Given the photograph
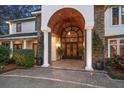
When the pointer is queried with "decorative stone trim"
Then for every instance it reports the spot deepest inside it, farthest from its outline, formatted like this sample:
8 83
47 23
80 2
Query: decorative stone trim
45 29
89 27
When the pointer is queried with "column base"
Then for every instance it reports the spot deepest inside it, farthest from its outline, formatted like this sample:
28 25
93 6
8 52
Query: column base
89 68
45 65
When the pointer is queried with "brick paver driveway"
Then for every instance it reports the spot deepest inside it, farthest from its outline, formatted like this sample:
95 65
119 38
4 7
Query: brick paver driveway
48 77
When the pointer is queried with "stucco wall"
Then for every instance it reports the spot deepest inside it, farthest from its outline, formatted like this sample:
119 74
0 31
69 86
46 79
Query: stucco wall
86 10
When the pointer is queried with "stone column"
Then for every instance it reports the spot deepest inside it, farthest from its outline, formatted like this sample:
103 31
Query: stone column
89 49
24 44
46 31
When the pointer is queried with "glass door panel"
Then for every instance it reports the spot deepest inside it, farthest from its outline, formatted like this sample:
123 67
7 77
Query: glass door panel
68 49
74 49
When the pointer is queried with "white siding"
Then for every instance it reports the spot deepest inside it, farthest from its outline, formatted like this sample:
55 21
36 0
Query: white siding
26 27
111 30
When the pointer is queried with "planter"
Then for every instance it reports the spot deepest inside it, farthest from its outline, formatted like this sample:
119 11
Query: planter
39 61
100 65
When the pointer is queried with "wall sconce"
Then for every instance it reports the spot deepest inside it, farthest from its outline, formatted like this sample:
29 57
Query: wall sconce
58 45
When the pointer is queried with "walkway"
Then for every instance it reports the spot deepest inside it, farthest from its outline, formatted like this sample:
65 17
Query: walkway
69 64
58 78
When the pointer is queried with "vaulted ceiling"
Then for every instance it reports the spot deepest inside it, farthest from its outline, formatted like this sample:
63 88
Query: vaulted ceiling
66 17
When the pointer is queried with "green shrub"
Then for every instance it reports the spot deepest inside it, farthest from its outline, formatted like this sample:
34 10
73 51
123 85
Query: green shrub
24 57
113 62
4 55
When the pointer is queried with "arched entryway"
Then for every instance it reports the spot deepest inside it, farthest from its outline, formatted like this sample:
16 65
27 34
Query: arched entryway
67 32
55 20
72 42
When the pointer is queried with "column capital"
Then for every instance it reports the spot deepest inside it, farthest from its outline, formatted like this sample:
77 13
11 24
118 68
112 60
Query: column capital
89 27
45 29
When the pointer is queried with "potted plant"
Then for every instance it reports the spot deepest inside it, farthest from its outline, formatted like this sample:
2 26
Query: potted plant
81 52
60 52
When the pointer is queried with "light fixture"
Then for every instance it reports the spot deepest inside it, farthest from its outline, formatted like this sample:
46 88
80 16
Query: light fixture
69 33
58 45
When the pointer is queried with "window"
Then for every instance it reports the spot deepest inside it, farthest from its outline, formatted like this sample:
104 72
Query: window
18 27
122 14
113 41
115 16
113 51
7 44
122 41
116 48
17 46
122 50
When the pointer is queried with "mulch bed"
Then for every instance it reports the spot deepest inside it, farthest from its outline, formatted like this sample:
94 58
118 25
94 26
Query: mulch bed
116 73
8 68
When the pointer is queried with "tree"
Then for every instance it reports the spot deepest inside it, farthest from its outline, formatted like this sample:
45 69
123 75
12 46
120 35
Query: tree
9 12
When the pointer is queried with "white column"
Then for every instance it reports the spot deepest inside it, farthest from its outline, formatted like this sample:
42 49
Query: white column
0 43
46 30
108 48
89 50
118 47
11 47
24 44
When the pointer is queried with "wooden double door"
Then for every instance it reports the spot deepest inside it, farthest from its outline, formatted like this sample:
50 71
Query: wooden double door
71 42
71 50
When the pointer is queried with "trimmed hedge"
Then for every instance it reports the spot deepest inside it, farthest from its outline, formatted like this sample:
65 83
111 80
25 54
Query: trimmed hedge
4 55
24 57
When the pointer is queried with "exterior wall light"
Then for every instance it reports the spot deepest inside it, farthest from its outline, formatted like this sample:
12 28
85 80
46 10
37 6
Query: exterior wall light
58 45
69 33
